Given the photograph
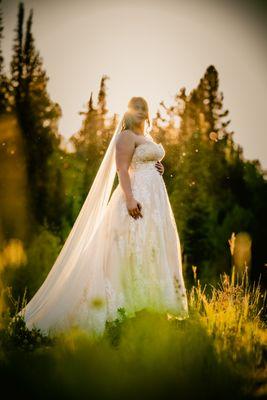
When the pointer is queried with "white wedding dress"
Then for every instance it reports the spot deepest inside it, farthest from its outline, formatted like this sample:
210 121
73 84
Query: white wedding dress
130 263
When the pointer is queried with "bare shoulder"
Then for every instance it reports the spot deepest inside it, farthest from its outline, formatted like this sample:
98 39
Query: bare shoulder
125 139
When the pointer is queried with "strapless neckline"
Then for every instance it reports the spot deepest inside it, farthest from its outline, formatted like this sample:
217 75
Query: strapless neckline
148 141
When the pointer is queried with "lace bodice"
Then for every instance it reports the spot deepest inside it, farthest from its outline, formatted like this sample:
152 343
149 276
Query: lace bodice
146 154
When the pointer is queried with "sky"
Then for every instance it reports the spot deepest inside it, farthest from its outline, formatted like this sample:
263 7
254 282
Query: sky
152 48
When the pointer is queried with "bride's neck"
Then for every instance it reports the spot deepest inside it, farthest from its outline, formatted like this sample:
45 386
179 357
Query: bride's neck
138 130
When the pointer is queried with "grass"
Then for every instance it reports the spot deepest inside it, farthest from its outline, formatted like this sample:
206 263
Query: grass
218 352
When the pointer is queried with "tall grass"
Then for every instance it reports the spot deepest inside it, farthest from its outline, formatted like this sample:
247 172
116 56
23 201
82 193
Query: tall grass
218 352
233 314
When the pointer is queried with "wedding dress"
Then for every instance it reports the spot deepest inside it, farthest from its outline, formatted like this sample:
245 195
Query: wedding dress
131 263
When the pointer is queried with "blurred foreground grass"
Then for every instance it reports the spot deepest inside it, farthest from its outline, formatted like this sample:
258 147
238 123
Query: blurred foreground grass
218 352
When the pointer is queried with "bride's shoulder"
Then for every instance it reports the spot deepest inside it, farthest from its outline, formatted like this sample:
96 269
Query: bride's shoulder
125 137
126 132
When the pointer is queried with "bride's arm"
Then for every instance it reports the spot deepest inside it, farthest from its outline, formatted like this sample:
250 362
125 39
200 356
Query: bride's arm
124 151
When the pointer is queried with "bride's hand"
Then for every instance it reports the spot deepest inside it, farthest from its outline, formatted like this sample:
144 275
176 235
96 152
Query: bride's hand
159 167
134 208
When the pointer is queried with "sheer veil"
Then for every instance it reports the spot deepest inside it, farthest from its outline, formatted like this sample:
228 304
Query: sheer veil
83 230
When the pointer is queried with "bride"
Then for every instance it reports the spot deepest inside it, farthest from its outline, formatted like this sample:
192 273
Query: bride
123 250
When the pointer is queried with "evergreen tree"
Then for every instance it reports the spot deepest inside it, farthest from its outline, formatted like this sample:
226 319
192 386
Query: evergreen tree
207 179
197 168
103 125
87 134
13 178
4 82
87 145
92 139
102 103
16 65
203 174
37 116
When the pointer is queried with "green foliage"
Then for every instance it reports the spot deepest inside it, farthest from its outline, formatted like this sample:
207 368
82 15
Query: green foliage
213 190
218 352
5 101
14 334
92 139
41 254
234 314
18 336
37 116
113 328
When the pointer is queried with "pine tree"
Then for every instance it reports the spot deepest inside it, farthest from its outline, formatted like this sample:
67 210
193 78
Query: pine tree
16 65
102 102
209 193
13 177
4 82
103 125
195 164
87 134
92 139
36 113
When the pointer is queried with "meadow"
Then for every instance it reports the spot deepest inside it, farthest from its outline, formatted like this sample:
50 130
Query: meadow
220 351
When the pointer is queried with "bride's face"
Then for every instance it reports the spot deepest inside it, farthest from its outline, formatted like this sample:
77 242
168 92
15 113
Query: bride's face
139 113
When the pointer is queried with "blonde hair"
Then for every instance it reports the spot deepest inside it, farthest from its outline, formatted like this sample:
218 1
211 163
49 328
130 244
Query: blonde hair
128 119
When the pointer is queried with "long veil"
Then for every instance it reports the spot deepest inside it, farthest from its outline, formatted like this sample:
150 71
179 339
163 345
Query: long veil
82 232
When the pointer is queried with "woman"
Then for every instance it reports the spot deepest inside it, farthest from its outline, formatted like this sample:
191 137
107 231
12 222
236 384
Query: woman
121 252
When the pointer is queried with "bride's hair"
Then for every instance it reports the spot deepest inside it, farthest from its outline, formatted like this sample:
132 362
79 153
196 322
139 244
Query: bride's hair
128 120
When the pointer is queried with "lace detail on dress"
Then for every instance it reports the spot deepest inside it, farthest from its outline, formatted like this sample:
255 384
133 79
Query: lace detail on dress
114 300
149 151
142 267
134 264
